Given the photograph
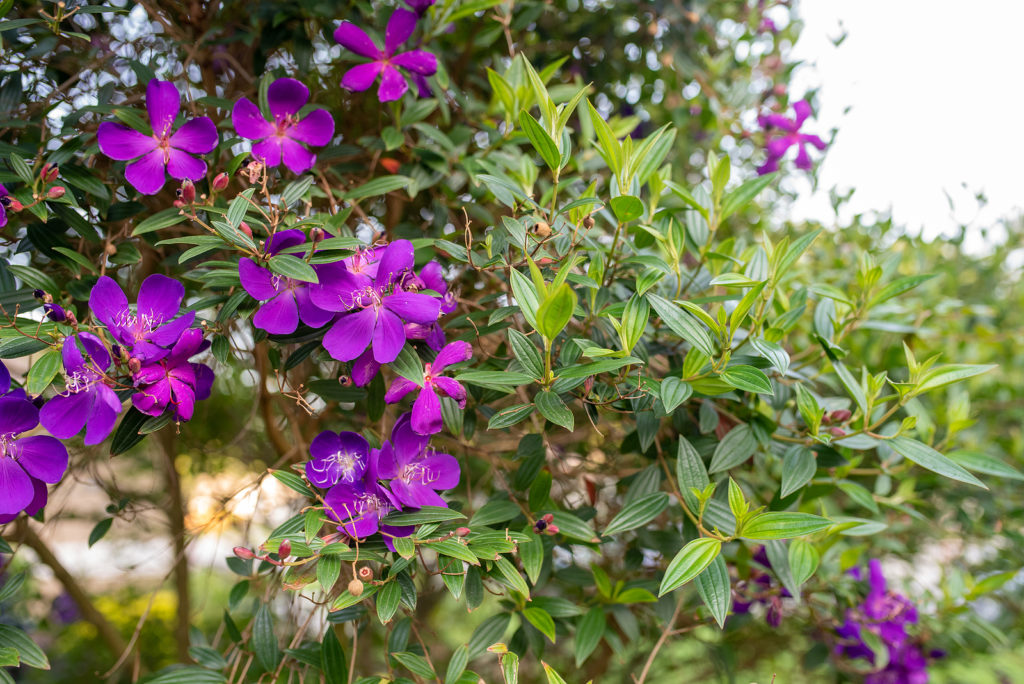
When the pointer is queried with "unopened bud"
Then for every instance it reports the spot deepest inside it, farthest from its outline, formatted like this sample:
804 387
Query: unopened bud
51 175
188 191
552 530
56 192
245 228
588 384
15 205
70 318
355 587
110 249
542 229
840 416
220 181
548 518
365 573
391 165
55 313
316 235
178 203
462 532
244 553
39 294
837 431
285 549
588 222
134 365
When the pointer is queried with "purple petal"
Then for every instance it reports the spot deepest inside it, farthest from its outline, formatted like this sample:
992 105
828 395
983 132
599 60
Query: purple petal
335 291
147 174
249 122
432 275
426 413
285 96
355 39
163 102
392 84
123 143
408 443
160 298
399 388
38 497
17 416
802 109
3 213
5 379
390 532
803 159
417 61
311 314
316 129
269 151
279 316
813 140
361 76
416 495
350 335
197 136
43 457
453 388
65 416
165 335
383 464
443 469
183 165
104 415
364 369
456 352
296 157
283 239
400 26
388 337
413 306
153 399
258 282
397 257
183 398
107 300
16 490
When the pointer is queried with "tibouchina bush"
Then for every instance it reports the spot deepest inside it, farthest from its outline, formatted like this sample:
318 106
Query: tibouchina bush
511 326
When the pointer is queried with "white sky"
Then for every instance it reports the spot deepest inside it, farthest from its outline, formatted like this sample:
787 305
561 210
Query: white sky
935 100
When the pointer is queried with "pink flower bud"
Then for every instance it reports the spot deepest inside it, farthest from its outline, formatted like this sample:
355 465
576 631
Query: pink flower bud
837 431
245 228
51 175
462 532
243 553
840 416
220 181
285 549
552 530
548 518
316 235
56 192
188 191
134 365
15 205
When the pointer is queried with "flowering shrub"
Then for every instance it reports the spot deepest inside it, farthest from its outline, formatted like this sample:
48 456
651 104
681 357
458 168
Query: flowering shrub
519 342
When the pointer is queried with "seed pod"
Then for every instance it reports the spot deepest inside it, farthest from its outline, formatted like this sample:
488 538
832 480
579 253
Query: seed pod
355 587
542 229
588 222
365 573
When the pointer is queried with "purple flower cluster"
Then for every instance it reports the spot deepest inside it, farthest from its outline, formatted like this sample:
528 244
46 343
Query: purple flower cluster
365 484
887 615
761 589
782 133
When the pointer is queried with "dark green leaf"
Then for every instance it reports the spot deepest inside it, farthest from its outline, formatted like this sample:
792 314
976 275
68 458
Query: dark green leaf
691 560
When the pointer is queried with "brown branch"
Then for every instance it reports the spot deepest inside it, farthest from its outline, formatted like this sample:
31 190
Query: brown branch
176 519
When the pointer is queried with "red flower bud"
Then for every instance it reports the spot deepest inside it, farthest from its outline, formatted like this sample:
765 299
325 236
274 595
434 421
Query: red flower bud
837 432
178 203
245 228
548 518
316 235
390 165
70 319
552 530
134 365
244 553
220 181
285 549
56 192
15 205
840 416
188 191
462 532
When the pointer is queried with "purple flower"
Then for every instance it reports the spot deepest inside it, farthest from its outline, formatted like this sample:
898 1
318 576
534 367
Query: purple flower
87 402
286 301
374 312
165 148
5 385
385 62
26 463
776 145
173 381
337 457
365 368
152 326
5 201
285 136
431 277
426 411
419 6
416 471
360 506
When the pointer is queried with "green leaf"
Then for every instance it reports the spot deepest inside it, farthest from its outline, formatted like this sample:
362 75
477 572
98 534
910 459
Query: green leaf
782 525
127 434
293 482
511 576
540 140
496 511
682 324
187 675
793 253
12 585
23 170
28 652
627 208
378 186
43 371
852 386
555 312
735 448
507 417
982 463
387 601
674 392
457 665
238 207
715 590
691 473
526 296
293 267
554 409
926 457
947 375
803 560
328 568
264 641
691 561
589 632
747 378
526 353
638 513
488 632
510 668
294 191
416 664
408 365
426 514
542 620
502 380
531 554
332 659
588 369
740 197
553 677
859 494
898 287
99 530
610 149
798 467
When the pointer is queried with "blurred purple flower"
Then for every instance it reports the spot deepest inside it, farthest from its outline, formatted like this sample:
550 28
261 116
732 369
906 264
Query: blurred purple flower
285 301
419 6
64 608
283 139
782 133
385 62
173 381
165 148
152 327
417 473
87 401
26 463
426 411
337 457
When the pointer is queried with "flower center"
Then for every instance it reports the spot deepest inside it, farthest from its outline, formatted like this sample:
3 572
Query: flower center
347 462
417 473
371 503
80 380
8 445
284 123
138 323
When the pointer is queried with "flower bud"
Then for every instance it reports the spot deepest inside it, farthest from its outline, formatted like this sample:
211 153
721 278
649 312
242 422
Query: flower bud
51 175
39 294
540 526
45 170
552 530
188 191
365 573
462 532
548 518
390 165
70 318
588 384
55 313
837 431
243 553
245 228
316 235
344 381
134 365
284 550
840 416
15 205
220 181
178 203
56 192
355 587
